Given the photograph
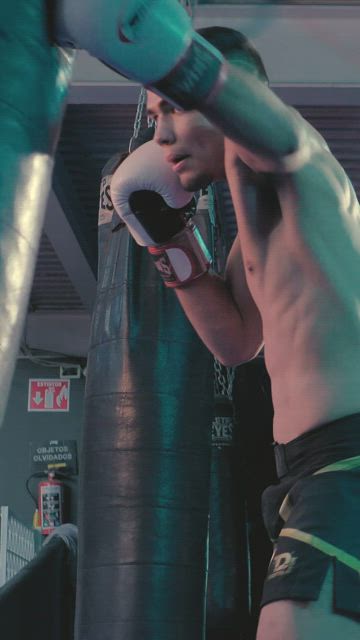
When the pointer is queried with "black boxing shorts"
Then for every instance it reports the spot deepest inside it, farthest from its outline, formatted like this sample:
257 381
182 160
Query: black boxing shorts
313 516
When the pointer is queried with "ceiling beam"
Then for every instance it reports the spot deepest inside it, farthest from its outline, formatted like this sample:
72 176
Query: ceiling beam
63 333
292 93
69 252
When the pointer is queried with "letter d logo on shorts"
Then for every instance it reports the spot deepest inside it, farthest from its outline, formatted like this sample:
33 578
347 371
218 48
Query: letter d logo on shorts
281 564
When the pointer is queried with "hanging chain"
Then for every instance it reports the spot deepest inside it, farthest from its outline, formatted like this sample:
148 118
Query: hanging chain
223 376
223 379
138 116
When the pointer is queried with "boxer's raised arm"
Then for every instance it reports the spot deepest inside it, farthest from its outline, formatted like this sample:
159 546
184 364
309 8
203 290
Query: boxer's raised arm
188 71
270 136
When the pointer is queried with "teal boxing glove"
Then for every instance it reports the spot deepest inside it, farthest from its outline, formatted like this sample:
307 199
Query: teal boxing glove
150 41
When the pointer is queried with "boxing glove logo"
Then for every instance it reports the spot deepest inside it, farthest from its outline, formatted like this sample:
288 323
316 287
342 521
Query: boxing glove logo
163 265
129 23
106 206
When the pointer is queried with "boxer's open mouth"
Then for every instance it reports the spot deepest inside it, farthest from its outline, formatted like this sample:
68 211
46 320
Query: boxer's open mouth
178 162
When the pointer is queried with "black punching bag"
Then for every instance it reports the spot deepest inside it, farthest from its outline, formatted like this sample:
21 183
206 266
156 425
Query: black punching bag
145 455
228 606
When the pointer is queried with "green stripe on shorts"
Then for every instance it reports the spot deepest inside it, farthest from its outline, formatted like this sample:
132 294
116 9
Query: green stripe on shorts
322 545
347 464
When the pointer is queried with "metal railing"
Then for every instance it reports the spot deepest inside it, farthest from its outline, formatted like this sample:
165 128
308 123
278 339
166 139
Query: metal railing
18 544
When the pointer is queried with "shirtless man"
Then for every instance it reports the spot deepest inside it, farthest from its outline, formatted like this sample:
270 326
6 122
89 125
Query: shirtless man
292 283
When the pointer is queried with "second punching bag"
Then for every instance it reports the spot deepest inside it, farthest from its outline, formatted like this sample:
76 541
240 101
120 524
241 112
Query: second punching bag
242 466
145 458
228 597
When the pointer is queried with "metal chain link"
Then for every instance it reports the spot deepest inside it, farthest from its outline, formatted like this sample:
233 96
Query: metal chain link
138 116
223 376
223 379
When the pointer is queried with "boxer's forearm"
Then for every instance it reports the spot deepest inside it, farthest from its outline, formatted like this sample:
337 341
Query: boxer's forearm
269 134
211 309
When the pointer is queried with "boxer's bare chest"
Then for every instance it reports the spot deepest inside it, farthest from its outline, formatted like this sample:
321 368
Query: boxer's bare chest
300 242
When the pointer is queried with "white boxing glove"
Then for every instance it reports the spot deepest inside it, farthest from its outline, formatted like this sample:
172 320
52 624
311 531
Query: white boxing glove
150 41
149 198
146 170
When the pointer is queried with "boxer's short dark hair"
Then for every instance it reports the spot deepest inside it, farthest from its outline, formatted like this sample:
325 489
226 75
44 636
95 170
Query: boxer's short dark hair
234 44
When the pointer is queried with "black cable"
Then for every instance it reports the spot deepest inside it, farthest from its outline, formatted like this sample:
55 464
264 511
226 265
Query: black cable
38 474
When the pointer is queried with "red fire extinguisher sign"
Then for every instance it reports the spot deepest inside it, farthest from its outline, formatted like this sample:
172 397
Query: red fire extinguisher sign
49 395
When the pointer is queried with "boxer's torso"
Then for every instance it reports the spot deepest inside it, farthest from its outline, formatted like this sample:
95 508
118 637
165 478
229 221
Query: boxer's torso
300 242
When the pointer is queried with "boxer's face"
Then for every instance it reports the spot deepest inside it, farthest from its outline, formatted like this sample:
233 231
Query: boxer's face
193 147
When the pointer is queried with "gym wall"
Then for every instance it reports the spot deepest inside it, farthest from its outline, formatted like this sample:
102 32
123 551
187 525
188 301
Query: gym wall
21 427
